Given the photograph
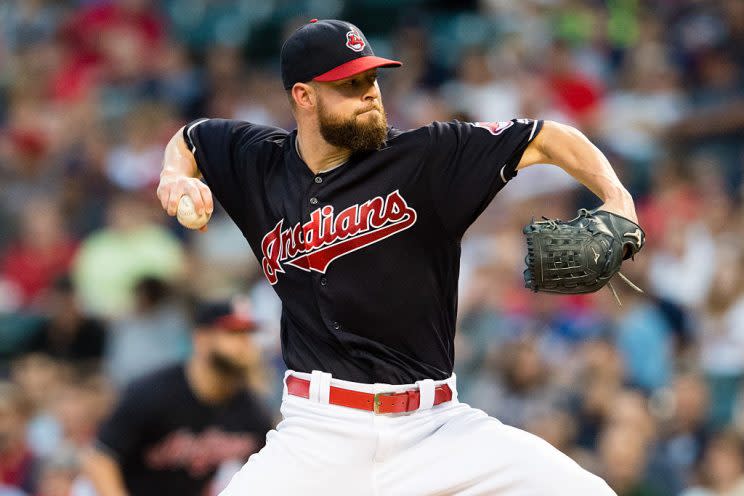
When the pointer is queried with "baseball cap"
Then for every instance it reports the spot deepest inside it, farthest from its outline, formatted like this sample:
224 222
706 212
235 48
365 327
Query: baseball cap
327 50
223 315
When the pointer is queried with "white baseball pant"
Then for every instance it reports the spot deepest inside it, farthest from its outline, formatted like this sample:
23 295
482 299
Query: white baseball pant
449 449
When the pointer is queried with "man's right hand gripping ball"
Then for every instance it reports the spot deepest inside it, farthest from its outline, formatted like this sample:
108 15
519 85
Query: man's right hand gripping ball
580 255
188 198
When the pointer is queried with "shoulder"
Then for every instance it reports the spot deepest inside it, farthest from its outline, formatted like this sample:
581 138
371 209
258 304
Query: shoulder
438 129
242 130
215 142
406 136
423 143
260 133
395 133
433 136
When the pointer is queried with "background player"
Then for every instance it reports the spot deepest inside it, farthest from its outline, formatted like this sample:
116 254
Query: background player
174 428
357 227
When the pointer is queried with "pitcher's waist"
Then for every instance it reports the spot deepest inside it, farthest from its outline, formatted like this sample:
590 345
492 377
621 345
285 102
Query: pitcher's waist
377 398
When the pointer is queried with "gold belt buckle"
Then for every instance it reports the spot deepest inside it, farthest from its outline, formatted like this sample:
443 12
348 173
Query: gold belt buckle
377 402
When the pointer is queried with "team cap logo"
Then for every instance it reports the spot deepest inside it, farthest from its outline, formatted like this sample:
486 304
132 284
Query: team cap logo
355 41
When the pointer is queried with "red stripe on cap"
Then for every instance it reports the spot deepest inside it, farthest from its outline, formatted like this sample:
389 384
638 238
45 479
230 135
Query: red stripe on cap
313 20
356 66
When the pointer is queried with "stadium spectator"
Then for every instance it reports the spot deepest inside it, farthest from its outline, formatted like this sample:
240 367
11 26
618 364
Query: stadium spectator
111 260
57 474
622 452
515 385
67 333
18 466
173 429
44 251
721 468
721 335
153 335
685 433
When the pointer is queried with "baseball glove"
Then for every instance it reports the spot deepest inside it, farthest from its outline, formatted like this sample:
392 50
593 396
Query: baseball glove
580 255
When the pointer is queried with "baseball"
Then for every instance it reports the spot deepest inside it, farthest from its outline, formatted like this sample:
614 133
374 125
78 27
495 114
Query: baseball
187 215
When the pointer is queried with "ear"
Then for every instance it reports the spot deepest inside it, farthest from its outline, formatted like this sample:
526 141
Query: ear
304 96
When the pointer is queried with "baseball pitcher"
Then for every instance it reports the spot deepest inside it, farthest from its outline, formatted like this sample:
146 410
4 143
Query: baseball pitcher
357 226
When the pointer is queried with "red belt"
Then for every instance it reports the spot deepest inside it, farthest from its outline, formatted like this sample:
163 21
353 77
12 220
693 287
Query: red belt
405 401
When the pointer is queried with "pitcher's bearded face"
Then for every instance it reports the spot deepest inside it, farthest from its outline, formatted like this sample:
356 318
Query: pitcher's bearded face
362 131
351 114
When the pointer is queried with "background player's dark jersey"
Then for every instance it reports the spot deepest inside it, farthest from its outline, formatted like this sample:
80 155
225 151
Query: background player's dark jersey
167 441
365 257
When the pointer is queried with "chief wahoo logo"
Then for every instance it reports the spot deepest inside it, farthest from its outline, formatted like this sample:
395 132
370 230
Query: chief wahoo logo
355 41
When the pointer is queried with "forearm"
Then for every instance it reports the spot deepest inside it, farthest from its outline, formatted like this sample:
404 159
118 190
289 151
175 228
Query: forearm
104 473
179 177
178 161
570 150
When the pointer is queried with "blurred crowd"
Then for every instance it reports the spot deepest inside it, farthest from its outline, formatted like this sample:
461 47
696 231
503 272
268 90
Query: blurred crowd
96 281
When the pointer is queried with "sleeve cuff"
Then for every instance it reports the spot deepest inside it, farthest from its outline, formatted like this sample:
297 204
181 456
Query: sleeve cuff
188 134
509 170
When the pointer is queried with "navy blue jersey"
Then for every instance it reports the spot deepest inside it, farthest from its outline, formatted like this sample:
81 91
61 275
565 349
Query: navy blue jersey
168 441
365 257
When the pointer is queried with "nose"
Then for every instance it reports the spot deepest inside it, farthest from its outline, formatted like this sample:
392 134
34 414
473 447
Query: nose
372 94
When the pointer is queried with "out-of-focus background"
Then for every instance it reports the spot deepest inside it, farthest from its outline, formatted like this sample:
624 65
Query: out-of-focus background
95 279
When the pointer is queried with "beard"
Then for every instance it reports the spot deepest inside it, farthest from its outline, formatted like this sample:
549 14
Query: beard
226 366
351 134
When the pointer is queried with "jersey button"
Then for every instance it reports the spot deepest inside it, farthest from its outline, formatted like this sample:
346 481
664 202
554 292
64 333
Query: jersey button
318 179
336 326
314 201
324 281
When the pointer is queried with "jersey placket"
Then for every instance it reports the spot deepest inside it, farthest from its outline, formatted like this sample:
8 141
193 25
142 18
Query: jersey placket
312 202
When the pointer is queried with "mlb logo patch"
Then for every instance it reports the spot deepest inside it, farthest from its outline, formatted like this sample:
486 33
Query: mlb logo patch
495 128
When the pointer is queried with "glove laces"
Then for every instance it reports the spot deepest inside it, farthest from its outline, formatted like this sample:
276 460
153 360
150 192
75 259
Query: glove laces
628 281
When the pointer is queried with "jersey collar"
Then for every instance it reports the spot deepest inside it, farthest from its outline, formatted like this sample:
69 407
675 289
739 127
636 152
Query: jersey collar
296 155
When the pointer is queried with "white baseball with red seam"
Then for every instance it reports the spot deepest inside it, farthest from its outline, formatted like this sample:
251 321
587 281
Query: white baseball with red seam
187 215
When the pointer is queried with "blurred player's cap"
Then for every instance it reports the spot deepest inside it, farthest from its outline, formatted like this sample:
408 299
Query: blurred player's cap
327 50
223 316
